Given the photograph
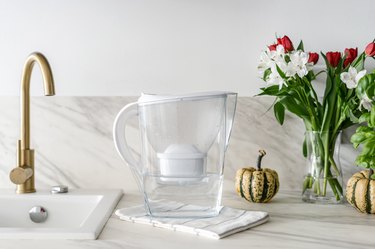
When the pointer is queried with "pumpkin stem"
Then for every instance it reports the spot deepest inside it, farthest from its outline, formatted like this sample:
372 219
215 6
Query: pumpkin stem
371 172
262 153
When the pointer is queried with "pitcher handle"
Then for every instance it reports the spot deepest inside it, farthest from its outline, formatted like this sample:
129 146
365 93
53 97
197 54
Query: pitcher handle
122 147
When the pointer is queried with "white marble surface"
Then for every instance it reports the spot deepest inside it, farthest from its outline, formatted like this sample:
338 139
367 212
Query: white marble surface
292 224
72 137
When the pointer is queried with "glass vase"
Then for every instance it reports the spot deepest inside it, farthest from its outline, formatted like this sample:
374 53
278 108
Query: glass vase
323 181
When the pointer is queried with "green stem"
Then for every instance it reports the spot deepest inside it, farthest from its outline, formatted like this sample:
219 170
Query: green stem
307 183
314 93
333 164
317 187
333 187
371 172
262 153
338 186
309 106
326 163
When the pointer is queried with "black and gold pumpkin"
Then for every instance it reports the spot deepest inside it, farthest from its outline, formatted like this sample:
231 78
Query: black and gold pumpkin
360 191
257 185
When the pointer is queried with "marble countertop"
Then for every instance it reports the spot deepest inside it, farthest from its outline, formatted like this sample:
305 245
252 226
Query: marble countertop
292 224
94 163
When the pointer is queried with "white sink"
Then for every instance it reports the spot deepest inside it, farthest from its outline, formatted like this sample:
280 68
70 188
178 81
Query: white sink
79 214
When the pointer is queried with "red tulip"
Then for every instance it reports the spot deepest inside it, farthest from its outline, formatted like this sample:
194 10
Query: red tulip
272 47
370 49
333 58
351 54
313 57
286 43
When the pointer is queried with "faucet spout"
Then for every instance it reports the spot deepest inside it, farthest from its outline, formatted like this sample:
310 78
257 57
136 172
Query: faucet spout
23 174
49 90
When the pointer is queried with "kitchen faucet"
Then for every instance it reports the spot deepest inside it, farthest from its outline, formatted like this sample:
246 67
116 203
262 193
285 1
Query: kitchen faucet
23 174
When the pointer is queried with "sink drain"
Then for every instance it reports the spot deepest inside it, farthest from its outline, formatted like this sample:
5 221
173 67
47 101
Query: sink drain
38 214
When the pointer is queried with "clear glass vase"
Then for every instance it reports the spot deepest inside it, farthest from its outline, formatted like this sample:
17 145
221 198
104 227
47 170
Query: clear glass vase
323 182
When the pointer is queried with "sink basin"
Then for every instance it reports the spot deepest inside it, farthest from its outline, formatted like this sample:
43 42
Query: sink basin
79 214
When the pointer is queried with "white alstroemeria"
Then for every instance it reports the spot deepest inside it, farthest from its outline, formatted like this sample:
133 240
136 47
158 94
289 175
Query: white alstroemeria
298 62
352 77
366 103
268 59
277 55
275 79
288 68
265 62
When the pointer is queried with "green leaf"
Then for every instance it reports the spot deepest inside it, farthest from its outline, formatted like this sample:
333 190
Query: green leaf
287 58
328 115
372 117
291 105
364 83
282 74
279 111
364 117
361 162
300 46
266 73
271 90
366 161
373 176
364 129
359 62
304 148
352 117
326 61
340 66
369 147
357 138
328 88
370 91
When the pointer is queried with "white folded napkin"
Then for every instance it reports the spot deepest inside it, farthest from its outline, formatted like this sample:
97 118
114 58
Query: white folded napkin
228 222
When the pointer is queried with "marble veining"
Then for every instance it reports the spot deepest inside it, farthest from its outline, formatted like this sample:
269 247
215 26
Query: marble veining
292 224
72 137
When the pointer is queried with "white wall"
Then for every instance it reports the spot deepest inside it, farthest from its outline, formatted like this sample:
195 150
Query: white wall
123 47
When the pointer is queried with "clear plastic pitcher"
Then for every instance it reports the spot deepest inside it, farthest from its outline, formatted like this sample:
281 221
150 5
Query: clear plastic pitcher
184 139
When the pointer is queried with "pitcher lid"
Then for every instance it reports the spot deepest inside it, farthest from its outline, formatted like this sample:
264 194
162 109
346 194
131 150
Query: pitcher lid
147 98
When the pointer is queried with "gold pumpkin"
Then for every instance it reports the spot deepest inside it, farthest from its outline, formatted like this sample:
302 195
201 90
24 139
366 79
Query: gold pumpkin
257 185
360 192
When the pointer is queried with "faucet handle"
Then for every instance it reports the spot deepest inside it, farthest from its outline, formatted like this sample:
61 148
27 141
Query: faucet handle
20 175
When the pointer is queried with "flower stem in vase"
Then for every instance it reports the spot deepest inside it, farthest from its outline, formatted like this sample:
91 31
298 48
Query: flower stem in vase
289 72
322 182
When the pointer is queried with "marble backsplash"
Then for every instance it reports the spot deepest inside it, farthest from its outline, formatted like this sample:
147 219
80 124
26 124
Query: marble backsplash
72 137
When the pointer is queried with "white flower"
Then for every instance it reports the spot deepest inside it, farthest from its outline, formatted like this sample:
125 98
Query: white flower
366 102
352 77
268 59
278 54
288 68
274 78
265 62
298 63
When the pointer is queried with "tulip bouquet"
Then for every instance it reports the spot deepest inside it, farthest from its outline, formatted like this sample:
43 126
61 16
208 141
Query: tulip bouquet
289 74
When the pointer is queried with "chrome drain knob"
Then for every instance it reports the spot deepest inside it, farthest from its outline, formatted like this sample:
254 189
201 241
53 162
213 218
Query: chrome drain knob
60 189
38 214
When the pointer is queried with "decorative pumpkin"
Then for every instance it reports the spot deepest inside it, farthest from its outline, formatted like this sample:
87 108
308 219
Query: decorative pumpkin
360 191
257 185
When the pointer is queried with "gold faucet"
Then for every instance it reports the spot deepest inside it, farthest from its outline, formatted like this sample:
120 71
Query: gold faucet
23 174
